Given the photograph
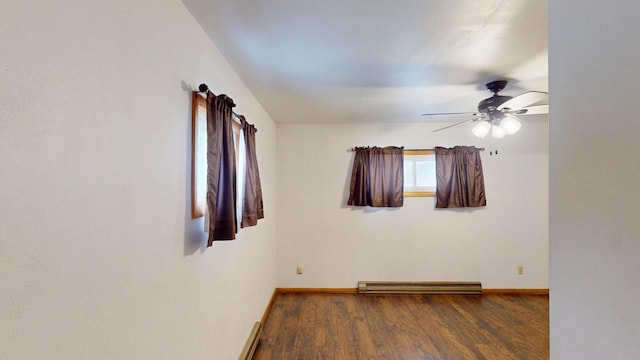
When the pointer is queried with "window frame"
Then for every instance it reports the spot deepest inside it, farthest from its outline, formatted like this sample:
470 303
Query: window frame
415 152
199 151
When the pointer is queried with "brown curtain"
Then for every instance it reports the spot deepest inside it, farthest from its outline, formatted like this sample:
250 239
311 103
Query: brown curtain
252 208
221 173
459 177
377 178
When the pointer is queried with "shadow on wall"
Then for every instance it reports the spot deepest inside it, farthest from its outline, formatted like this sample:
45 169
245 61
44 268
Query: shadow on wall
461 210
347 183
194 236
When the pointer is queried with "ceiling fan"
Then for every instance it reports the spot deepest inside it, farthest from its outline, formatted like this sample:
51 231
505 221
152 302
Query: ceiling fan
498 114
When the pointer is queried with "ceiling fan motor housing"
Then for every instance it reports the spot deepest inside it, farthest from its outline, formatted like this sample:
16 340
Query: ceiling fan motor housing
489 105
496 86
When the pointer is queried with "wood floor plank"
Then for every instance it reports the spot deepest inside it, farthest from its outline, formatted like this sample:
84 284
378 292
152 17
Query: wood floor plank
377 327
270 331
407 337
529 334
363 341
442 326
436 334
324 321
345 330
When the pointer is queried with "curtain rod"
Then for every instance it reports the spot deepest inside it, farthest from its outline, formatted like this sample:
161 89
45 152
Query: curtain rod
204 89
481 149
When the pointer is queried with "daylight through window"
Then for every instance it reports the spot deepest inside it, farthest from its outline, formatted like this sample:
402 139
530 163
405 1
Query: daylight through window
419 173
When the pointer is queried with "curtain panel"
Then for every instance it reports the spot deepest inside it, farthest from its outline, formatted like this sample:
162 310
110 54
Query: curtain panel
252 208
459 177
377 177
221 172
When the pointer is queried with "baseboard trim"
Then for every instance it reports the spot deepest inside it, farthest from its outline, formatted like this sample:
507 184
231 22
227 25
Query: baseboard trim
317 290
515 291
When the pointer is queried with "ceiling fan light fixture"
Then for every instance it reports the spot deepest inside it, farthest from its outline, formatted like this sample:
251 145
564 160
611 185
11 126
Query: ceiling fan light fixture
510 124
481 129
498 131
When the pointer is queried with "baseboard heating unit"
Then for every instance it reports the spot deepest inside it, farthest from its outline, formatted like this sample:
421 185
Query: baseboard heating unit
420 287
252 343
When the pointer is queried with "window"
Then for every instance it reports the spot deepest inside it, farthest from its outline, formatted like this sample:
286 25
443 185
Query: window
199 157
419 173
239 146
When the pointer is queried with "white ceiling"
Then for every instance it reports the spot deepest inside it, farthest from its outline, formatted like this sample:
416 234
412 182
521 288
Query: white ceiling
352 61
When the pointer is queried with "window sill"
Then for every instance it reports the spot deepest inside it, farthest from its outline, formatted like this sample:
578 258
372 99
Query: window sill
419 194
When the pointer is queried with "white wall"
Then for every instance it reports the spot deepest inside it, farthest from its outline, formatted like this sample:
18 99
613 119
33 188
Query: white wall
98 257
338 245
595 172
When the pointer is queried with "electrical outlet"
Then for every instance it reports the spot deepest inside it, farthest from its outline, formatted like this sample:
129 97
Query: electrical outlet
299 270
520 270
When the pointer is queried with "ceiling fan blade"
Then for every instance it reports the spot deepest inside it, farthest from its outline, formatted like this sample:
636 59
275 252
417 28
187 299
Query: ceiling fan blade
534 110
524 100
456 124
452 113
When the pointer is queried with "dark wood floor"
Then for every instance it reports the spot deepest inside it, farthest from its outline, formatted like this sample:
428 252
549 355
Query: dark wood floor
350 326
